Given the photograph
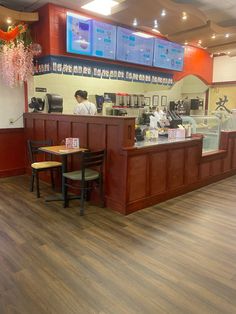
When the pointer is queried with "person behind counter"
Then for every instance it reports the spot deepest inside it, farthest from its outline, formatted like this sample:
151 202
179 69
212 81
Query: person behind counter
84 107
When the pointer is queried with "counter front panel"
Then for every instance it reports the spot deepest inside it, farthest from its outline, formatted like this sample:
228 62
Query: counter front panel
145 174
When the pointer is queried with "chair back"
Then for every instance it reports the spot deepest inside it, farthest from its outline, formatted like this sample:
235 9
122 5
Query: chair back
33 148
92 159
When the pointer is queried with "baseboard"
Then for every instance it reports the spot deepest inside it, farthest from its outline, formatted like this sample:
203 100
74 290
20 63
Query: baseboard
12 172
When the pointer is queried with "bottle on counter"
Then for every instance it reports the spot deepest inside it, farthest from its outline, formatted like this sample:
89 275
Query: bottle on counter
188 130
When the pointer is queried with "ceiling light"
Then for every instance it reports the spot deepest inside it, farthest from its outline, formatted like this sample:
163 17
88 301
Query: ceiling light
226 35
9 20
144 35
213 36
100 6
229 52
156 30
155 24
163 13
199 42
184 16
186 43
135 22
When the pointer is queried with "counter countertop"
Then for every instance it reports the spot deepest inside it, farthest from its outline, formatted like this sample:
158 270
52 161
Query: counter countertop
163 140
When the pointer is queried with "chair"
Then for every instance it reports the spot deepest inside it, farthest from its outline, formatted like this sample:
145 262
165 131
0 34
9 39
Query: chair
39 166
87 174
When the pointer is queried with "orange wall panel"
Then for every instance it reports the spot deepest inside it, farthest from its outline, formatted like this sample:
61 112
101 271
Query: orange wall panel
196 62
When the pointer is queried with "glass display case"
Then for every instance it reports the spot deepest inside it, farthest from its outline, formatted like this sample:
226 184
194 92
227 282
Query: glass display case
210 128
228 120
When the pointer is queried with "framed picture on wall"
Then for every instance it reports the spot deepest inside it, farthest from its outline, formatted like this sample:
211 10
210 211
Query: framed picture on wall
163 101
147 101
155 100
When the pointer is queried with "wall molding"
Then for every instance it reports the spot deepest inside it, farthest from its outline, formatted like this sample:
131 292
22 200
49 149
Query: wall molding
223 83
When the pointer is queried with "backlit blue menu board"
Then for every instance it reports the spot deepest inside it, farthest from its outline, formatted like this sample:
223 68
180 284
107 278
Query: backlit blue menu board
79 34
104 40
133 48
168 55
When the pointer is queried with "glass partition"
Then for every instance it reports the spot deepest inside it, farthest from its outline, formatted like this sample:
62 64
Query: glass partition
209 127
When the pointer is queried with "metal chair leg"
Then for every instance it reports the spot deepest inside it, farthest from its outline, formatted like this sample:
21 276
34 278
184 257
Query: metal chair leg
101 191
82 197
65 193
52 179
37 183
32 182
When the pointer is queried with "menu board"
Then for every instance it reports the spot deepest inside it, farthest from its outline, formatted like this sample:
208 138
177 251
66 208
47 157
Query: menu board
79 34
93 38
168 55
104 40
133 48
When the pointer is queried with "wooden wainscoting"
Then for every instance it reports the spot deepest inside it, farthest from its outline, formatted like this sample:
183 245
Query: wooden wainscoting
13 153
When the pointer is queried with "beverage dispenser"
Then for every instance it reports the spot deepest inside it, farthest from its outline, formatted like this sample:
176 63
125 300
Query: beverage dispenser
134 101
126 100
118 99
141 101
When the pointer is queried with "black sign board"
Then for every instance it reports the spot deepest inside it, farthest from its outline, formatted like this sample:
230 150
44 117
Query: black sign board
41 89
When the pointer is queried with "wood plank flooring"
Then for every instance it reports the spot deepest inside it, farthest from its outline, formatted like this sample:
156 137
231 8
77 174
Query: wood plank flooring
175 257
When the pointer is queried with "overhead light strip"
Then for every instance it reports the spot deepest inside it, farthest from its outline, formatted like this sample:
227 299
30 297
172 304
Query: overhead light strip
102 7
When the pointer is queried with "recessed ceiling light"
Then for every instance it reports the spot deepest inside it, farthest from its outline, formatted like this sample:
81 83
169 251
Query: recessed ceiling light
144 35
213 36
163 13
155 24
9 20
185 43
135 22
100 6
226 35
184 16
229 52
199 42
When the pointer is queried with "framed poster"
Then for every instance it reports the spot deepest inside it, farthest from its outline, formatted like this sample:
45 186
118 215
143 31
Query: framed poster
155 101
163 101
147 101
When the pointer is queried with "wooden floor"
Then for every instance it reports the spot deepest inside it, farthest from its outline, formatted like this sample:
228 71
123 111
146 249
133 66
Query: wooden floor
175 257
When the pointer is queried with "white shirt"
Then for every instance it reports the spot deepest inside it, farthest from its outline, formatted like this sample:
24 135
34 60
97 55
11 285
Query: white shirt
85 108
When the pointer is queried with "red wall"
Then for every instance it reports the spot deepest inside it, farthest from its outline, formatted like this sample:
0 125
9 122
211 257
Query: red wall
13 155
50 32
196 62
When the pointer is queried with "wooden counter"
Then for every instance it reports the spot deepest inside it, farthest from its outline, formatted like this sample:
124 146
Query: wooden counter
137 177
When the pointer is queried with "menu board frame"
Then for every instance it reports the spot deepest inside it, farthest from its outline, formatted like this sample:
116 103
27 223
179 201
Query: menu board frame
84 36
169 58
89 51
137 37
109 38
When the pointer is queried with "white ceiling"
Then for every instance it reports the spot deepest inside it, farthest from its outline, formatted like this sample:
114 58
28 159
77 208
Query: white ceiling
205 18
